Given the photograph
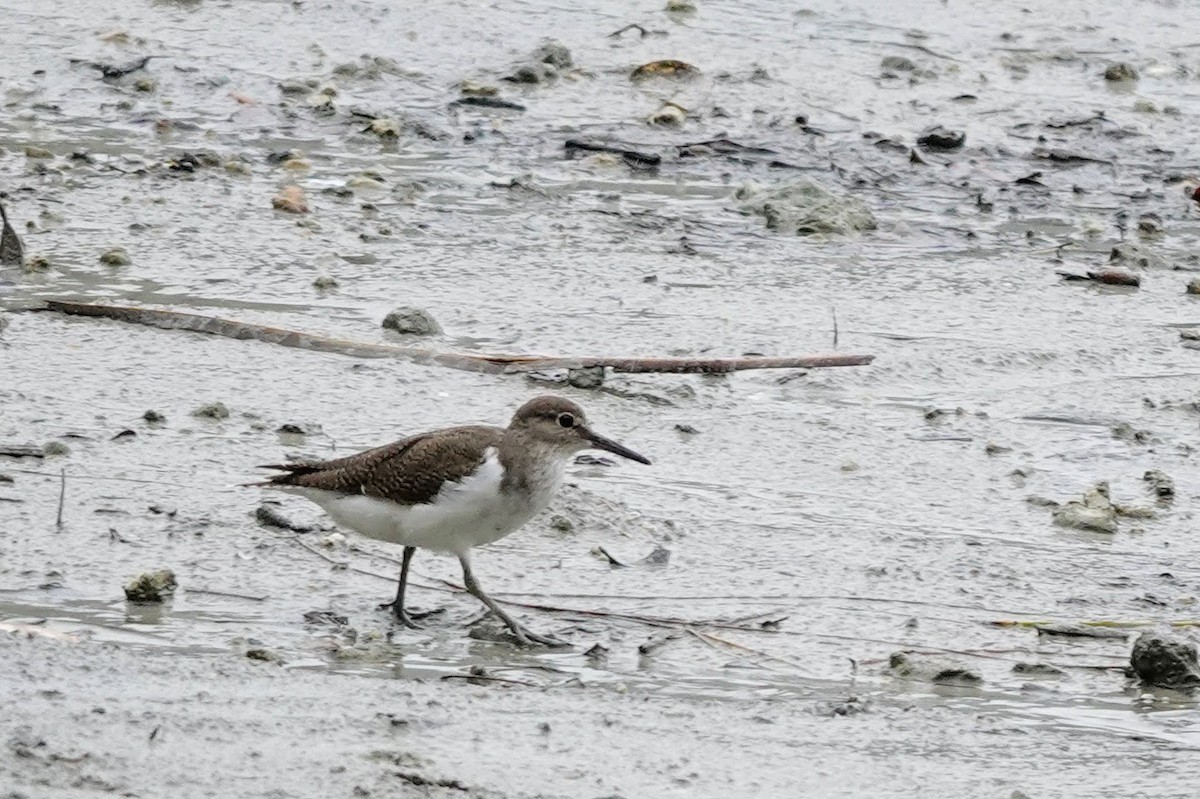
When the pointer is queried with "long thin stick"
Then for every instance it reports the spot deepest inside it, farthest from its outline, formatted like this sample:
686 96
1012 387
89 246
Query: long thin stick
214 592
62 498
496 364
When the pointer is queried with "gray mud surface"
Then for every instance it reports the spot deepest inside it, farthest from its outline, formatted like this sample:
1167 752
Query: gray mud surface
817 524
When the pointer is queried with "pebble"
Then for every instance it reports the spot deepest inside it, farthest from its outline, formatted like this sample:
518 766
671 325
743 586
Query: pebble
1193 286
412 321
213 410
385 128
937 670
153 586
1165 661
940 138
115 257
587 377
668 115
1094 512
555 54
1160 482
1120 71
290 199
37 263
896 63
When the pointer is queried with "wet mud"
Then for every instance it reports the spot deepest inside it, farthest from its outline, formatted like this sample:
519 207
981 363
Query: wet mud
899 577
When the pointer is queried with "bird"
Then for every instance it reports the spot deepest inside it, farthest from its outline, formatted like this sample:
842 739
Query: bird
453 489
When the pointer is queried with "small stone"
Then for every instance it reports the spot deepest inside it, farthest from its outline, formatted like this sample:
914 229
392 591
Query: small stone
1150 224
561 523
476 89
686 429
264 655
587 377
154 417
1038 670
668 115
146 85
896 63
532 73
1160 482
849 467
667 68
385 128
1193 286
555 54
325 282
213 410
367 182
940 138
294 88
53 448
333 541
911 666
1127 432
681 7
1144 107
115 257
412 321
321 102
1165 661
1095 511
290 199
152 586
37 263
992 448
40 153
1120 71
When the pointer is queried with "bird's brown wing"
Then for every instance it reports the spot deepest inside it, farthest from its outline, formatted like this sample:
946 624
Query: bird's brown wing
409 472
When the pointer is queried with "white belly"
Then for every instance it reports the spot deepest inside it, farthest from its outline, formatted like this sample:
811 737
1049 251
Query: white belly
463 515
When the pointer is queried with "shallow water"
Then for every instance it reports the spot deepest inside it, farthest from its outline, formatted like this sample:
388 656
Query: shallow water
832 501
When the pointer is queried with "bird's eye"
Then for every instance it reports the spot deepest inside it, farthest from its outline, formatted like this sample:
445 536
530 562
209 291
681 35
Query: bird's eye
566 420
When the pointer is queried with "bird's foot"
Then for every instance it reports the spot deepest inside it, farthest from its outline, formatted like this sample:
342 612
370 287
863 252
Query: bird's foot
529 638
409 618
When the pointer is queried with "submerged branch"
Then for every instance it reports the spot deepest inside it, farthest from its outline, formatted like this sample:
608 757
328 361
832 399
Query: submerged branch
495 364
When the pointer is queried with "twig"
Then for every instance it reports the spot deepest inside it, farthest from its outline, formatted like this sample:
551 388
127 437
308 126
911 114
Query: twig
494 364
488 678
920 48
62 498
633 26
1100 623
711 640
214 592
835 327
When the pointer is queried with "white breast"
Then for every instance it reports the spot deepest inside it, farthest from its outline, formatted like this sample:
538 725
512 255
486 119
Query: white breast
465 514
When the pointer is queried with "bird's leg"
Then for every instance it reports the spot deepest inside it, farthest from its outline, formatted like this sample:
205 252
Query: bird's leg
522 635
397 605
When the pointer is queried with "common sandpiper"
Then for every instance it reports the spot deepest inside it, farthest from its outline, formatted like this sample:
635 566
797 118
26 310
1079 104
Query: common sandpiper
453 489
